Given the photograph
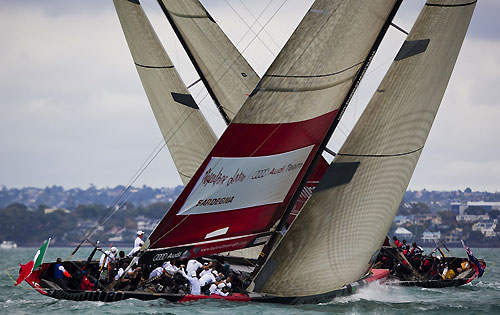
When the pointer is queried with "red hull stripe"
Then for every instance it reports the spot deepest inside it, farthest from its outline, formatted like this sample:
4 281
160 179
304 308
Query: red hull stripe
242 140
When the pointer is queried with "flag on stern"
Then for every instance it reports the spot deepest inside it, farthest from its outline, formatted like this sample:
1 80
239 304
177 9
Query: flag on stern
474 261
27 268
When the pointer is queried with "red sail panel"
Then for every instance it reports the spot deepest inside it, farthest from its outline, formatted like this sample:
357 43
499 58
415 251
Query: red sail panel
242 183
306 192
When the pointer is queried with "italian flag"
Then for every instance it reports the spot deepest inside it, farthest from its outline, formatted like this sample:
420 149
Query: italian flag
26 269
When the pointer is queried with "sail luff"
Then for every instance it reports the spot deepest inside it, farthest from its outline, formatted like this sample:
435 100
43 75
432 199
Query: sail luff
186 132
345 221
225 73
356 80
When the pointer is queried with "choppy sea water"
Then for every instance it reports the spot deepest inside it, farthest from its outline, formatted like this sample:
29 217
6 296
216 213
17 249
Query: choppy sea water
482 296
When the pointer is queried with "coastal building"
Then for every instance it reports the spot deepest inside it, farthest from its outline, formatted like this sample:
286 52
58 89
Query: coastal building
403 234
486 228
431 237
471 218
458 207
455 236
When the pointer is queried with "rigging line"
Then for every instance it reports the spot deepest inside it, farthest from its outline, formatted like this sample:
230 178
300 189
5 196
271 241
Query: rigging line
188 215
166 233
256 19
8 274
248 45
249 27
117 199
260 25
341 126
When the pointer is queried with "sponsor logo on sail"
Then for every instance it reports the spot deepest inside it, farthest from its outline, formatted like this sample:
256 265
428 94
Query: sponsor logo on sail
237 183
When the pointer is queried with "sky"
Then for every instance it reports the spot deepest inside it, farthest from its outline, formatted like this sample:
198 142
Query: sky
73 111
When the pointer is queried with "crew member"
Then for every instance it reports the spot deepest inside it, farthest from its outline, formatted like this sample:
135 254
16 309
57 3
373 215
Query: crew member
60 274
222 289
396 241
107 257
137 243
169 268
193 265
157 272
194 281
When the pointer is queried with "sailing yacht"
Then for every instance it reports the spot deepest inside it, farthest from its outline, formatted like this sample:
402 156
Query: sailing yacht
241 189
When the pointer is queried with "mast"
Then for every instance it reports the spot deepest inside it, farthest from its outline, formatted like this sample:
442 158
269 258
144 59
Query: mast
282 224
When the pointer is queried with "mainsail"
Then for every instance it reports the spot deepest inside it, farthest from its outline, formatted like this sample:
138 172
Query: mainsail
244 186
224 71
345 221
187 134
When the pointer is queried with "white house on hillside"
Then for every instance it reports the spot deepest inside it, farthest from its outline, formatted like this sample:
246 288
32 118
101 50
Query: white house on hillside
403 234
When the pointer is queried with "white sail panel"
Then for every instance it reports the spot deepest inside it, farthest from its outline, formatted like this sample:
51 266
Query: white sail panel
225 71
313 73
347 218
187 134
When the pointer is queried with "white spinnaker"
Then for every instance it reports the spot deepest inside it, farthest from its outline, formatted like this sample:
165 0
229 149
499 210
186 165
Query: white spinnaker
187 134
332 240
228 76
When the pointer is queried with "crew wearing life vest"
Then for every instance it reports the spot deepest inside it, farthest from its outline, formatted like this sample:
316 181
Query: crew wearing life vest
60 274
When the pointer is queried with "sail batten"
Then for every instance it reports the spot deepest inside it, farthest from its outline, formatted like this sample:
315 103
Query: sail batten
344 224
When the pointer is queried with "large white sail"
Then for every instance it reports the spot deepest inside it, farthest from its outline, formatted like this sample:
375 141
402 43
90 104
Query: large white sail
346 220
187 134
225 72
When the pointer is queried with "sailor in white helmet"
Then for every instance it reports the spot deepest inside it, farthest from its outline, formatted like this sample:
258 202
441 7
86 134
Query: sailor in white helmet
137 243
138 240
107 257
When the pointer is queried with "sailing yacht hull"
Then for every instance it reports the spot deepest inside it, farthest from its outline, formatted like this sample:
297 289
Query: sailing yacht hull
115 296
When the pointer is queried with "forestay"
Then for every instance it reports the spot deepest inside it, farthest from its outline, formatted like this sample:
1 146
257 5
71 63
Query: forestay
187 134
247 181
346 220
225 72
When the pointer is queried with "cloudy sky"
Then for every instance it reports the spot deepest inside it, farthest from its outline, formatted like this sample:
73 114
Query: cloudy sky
73 111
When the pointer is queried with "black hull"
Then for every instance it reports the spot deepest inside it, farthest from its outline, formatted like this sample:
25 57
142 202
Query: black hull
432 284
100 296
115 296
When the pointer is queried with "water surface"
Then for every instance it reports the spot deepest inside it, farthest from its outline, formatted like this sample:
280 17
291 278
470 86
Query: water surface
482 296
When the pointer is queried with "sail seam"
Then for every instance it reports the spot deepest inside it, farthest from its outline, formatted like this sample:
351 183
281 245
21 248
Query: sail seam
450 5
153 67
381 155
313 76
